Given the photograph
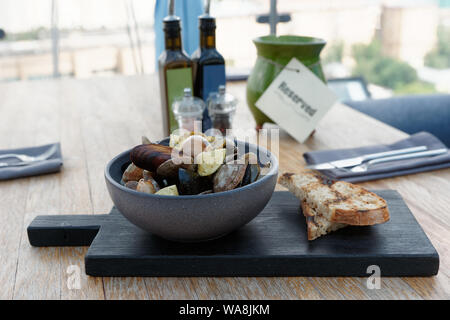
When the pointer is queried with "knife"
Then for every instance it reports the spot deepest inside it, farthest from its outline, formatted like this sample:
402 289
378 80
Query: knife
18 164
351 162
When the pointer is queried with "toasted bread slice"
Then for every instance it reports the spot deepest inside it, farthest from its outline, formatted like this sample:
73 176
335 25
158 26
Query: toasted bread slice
316 224
340 201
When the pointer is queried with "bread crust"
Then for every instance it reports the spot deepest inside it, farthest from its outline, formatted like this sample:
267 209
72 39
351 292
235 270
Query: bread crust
343 202
362 218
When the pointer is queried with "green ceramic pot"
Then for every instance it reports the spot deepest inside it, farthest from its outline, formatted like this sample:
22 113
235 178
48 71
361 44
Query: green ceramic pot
273 54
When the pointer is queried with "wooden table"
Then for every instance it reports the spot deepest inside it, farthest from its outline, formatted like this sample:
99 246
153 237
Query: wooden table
98 118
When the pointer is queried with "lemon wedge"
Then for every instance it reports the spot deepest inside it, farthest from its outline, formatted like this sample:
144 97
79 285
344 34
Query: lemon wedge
168 191
209 161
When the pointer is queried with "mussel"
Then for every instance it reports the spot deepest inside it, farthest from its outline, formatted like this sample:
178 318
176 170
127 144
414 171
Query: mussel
132 173
147 186
169 168
147 175
229 176
190 182
132 185
252 170
145 140
150 156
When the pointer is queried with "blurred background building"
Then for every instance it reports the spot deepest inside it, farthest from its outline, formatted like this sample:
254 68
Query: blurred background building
397 46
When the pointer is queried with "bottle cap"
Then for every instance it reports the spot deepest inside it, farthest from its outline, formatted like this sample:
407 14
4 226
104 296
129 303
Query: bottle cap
206 21
171 22
221 102
188 106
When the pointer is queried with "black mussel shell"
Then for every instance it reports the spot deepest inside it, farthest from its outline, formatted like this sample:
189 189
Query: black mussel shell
251 174
190 182
229 176
150 156
164 181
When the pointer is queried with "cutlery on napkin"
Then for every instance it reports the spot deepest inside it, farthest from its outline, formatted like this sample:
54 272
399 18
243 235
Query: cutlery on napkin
355 161
381 169
30 161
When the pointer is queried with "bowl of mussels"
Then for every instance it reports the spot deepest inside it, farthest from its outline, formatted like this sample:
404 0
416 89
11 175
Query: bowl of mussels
192 187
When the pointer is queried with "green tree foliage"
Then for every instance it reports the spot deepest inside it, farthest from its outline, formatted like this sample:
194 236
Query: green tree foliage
439 57
335 52
386 71
416 87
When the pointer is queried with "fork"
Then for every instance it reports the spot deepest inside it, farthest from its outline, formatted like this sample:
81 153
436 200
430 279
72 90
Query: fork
365 166
25 159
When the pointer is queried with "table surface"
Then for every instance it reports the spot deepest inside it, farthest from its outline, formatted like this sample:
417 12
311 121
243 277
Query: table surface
96 119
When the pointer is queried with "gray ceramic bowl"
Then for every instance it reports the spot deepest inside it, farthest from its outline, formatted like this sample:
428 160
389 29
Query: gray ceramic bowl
191 218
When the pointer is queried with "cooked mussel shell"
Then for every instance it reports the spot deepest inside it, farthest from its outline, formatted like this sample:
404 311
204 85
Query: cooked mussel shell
132 173
147 186
131 185
169 168
165 182
190 182
145 140
150 156
147 175
253 169
229 176
251 174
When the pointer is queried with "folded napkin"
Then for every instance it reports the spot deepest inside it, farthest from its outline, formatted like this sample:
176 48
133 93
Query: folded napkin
386 169
50 165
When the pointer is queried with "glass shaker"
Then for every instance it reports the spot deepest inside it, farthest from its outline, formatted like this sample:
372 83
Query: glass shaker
188 112
221 108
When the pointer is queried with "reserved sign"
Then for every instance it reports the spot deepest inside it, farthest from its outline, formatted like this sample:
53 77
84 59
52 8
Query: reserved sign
296 100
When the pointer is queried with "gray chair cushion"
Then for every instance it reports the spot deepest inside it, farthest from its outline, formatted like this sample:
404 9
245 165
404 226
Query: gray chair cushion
411 114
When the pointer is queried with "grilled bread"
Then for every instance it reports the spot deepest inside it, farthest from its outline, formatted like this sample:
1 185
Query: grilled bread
329 205
316 224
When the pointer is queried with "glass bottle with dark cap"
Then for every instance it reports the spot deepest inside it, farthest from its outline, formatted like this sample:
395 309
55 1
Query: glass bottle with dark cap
175 70
209 65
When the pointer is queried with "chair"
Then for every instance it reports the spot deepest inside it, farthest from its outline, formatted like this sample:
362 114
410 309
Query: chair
411 114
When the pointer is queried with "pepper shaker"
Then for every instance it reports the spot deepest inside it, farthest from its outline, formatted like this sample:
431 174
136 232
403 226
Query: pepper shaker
221 108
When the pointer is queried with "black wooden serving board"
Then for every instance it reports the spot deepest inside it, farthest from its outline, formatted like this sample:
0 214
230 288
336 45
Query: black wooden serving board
273 244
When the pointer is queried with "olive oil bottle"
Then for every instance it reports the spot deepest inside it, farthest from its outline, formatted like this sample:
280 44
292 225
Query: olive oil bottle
209 65
175 69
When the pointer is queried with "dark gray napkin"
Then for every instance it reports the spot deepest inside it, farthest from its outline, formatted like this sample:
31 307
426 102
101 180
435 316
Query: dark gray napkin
52 164
387 169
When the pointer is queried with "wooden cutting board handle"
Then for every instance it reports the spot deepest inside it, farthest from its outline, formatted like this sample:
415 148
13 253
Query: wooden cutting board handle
64 230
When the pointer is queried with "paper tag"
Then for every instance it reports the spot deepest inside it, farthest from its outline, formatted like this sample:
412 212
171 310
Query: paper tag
296 100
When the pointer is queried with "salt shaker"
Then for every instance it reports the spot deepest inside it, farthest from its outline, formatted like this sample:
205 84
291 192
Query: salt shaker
188 111
221 108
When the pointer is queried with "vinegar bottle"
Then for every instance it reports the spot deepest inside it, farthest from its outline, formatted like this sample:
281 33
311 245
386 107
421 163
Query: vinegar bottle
175 69
209 65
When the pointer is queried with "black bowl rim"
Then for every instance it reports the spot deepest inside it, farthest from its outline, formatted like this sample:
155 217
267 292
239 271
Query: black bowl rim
273 170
